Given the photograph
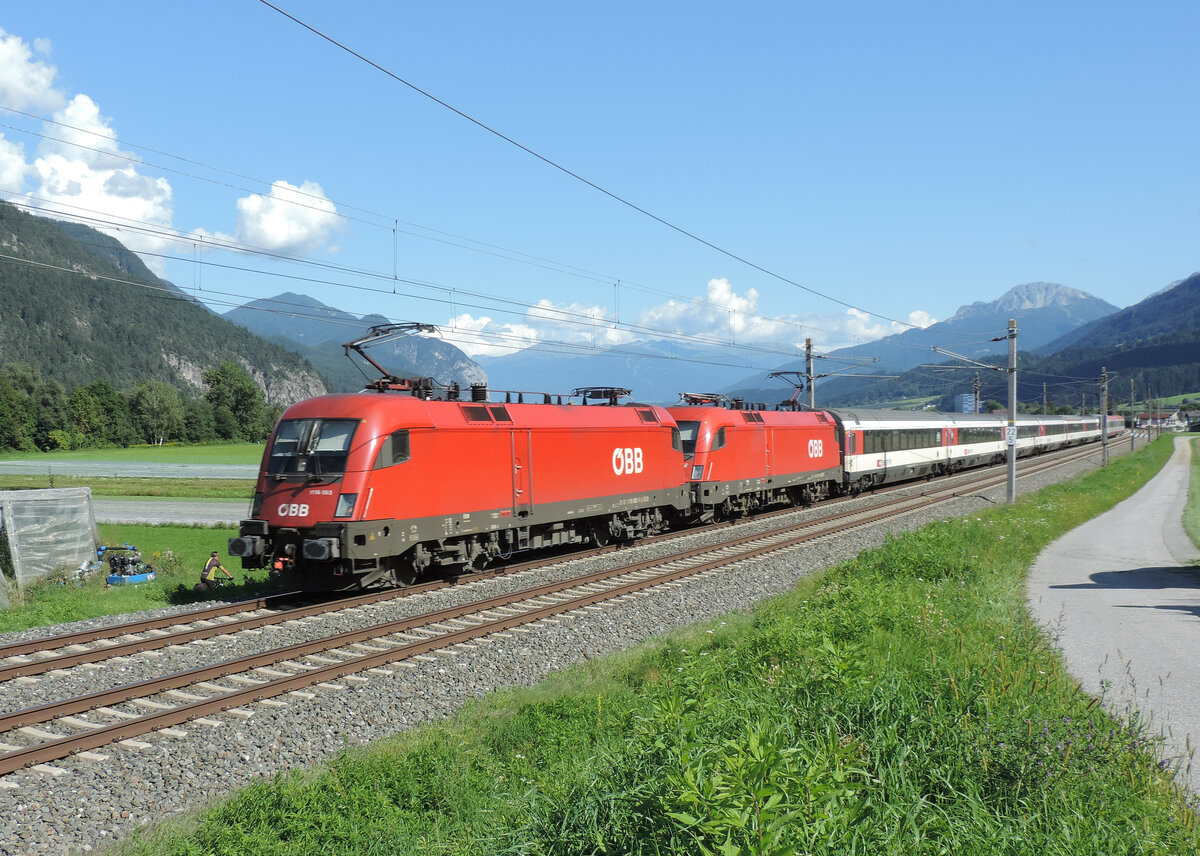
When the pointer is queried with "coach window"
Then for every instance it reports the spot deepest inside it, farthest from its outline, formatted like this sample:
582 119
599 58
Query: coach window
394 450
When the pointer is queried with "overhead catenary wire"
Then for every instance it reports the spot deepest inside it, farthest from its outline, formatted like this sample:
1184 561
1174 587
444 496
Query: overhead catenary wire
388 222
493 303
574 175
236 301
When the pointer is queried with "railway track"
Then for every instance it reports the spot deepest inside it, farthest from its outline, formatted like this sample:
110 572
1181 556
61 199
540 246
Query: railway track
280 675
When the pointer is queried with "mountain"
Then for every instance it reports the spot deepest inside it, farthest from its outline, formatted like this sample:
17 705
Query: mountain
1163 313
1044 312
656 371
301 319
79 307
318 332
1155 343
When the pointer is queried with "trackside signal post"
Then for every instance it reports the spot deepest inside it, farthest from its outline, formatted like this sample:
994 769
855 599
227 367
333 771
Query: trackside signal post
1010 429
1010 437
1104 416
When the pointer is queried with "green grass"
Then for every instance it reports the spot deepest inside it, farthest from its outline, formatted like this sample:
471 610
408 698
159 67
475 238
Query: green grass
177 553
249 454
902 703
217 453
1191 513
1176 400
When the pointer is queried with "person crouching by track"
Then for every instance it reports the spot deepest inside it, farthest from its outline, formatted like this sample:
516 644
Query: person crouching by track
207 576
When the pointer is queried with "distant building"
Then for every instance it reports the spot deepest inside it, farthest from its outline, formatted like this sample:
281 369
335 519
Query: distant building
1175 420
966 403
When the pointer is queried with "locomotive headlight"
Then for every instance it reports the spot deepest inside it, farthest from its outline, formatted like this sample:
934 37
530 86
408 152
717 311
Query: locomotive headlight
247 546
321 549
697 472
345 505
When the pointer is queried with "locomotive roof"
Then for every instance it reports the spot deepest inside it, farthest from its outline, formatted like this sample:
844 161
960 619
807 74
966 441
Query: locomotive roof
737 416
411 411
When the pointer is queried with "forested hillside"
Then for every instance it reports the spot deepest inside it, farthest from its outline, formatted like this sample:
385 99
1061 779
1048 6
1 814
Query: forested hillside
97 351
68 310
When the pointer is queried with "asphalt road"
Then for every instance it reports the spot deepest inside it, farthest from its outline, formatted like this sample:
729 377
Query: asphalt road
1121 597
149 509
129 469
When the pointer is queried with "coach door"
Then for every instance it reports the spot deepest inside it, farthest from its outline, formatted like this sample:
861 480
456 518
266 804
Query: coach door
522 474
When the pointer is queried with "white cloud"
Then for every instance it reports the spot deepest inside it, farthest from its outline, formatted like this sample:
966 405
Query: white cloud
858 327
26 83
84 135
722 314
921 318
100 181
483 336
80 171
289 220
13 167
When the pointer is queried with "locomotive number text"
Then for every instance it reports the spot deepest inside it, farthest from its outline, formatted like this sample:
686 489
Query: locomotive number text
626 462
816 448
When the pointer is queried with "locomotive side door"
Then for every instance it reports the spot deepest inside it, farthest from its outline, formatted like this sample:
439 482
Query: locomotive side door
768 433
522 474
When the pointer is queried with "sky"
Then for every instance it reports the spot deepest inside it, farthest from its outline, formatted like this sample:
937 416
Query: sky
749 175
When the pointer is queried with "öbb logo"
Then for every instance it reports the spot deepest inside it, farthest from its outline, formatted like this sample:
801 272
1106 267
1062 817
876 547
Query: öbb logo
293 510
816 448
626 462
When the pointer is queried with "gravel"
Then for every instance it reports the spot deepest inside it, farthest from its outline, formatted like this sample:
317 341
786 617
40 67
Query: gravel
85 805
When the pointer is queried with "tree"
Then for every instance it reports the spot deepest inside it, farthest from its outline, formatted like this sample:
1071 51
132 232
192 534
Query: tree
158 411
101 415
16 423
236 401
200 424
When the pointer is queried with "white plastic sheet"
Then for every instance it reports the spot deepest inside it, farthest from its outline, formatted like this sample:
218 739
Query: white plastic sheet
46 531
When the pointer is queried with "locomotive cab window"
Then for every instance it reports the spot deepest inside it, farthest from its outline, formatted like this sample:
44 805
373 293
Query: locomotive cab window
394 450
311 448
718 440
687 436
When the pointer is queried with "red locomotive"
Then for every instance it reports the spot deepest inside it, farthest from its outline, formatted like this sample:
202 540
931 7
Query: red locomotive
741 459
371 489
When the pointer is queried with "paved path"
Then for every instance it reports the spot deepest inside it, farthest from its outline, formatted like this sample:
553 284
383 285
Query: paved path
1121 596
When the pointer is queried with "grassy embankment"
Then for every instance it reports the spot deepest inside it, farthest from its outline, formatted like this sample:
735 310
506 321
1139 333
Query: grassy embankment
901 703
1191 515
177 553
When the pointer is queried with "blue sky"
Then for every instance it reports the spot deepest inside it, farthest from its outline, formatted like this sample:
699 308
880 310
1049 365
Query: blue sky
860 164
